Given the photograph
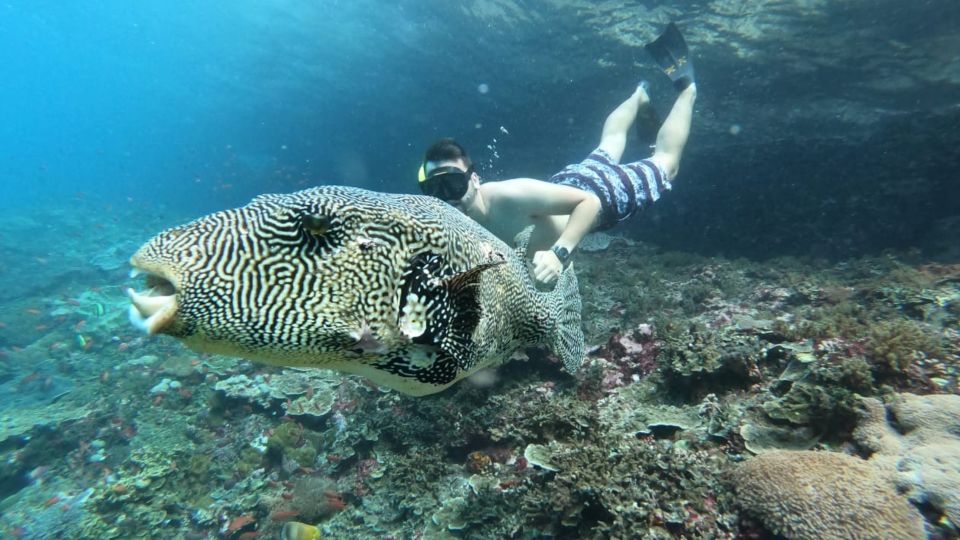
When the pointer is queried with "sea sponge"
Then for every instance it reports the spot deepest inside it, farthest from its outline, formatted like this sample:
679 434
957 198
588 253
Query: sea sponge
315 498
814 495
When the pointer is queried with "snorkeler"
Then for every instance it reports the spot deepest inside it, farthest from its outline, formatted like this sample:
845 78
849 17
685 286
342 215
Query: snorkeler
595 194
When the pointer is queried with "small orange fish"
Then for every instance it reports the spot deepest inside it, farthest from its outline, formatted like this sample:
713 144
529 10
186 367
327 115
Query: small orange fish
238 523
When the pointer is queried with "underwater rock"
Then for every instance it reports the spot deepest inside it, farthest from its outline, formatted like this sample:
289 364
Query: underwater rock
918 439
816 495
53 415
759 438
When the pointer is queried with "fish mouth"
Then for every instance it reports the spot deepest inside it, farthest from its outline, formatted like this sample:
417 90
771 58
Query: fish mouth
153 309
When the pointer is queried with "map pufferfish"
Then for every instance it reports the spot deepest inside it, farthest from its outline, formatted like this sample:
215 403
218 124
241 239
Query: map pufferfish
402 289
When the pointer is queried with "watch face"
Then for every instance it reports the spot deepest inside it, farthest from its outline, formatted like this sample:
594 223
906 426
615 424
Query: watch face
561 252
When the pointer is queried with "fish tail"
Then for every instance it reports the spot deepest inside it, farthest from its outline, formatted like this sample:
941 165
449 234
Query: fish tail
566 340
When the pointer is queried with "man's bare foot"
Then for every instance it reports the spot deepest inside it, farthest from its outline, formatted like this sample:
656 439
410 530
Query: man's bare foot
641 93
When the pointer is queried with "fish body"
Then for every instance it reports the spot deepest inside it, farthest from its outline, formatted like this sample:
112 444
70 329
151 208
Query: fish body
402 289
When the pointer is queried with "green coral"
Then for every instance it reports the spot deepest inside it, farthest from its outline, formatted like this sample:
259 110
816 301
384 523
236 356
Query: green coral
250 460
829 409
665 482
894 346
697 360
821 395
294 442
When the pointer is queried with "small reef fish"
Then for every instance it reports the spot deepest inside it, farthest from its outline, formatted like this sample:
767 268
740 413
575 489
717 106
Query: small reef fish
294 530
402 289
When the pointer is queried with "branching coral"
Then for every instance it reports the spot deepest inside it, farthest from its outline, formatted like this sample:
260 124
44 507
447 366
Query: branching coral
894 346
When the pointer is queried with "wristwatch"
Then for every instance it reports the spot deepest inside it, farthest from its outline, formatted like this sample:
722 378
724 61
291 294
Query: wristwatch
562 253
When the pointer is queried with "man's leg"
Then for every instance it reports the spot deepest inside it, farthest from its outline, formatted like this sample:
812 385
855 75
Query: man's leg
673 134
614 137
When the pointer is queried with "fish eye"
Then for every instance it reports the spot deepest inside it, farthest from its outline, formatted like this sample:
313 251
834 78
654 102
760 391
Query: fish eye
315 224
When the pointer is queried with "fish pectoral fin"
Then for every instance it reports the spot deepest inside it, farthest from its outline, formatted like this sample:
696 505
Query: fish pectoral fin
466 310
438 309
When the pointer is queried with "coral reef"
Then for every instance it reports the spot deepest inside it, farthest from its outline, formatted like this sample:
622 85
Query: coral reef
917 438
694 362
815 495
895 346
697 360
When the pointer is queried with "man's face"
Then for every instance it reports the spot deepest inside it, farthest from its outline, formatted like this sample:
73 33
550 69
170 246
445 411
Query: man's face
453 185
465 202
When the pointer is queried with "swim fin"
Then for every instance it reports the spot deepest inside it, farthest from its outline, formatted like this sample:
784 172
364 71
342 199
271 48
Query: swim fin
647 122
670 52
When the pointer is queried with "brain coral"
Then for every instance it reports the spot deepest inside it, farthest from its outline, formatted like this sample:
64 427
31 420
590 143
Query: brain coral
815 495
917 438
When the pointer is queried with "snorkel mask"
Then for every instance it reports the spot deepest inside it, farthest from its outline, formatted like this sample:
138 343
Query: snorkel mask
448 183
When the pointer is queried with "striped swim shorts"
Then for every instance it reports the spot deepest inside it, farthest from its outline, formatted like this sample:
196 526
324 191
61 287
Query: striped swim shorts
623 189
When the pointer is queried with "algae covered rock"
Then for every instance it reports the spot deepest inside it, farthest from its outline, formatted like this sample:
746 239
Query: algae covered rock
816 495
634 411
761 438
696 361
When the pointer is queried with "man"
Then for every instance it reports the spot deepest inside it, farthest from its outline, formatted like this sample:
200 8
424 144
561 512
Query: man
595 194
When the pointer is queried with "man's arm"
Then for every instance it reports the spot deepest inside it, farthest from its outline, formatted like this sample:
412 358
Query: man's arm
537 199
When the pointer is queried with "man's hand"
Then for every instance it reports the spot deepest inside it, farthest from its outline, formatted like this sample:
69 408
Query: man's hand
546 267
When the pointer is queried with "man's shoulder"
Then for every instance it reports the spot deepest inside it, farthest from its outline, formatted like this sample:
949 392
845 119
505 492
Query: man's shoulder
512 185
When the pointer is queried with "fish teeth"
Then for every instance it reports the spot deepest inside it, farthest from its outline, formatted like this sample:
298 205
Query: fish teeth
135 272
137 320
155 322
149 305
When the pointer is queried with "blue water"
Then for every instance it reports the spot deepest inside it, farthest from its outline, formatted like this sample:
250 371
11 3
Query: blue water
191 103
194 107
204 105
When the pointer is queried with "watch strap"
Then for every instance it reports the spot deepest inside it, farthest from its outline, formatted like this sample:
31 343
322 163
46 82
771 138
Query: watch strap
562 253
